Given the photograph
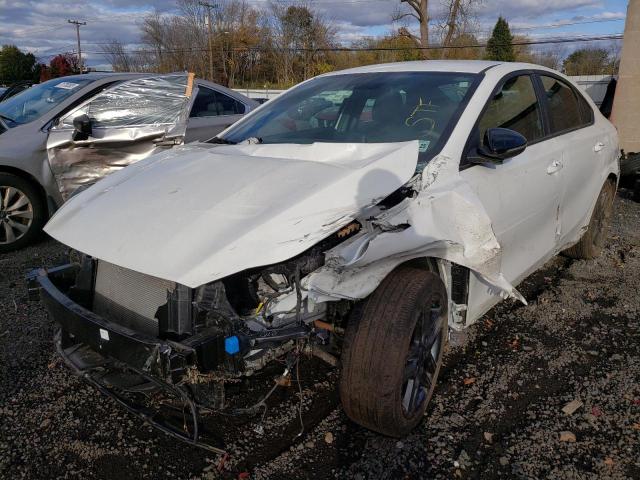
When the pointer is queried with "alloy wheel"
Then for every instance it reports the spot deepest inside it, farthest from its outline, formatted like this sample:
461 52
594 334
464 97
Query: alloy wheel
422 361
16 214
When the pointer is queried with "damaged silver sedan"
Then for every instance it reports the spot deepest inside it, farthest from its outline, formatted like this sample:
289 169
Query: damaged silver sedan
67 133
357 218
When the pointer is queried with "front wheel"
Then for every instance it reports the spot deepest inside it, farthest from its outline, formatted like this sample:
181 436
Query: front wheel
393 352
22 212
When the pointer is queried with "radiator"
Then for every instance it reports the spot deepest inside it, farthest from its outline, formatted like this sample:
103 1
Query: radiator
129 298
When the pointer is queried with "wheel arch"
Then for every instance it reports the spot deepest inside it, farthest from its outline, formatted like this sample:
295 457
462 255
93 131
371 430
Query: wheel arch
444 269
31 179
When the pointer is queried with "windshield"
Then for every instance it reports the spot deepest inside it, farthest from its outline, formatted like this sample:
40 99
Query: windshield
34 102
361 108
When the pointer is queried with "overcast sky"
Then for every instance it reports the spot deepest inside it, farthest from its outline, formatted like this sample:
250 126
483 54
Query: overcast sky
41 26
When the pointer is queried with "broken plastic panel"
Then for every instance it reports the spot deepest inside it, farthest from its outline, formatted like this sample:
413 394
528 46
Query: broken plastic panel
145 101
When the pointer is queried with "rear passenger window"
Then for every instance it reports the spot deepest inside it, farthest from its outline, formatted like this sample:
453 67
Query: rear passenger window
209 103
515 107
228 105
565 113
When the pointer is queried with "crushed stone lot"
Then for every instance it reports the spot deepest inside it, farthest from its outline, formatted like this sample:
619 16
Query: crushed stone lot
548 390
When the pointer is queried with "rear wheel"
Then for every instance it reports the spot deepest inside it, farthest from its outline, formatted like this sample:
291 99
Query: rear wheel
393 351
22 212
591 243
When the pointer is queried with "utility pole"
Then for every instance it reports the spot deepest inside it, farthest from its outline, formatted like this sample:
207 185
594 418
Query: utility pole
626 102
209 6
78 24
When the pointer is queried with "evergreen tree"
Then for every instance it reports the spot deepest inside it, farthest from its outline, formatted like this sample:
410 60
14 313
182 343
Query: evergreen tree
499 46
16 65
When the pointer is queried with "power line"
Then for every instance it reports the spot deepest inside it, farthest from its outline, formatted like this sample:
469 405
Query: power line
536 27
567 24
617 36
27 31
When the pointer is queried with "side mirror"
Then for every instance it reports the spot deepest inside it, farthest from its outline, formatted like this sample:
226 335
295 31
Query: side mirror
82 126
499 144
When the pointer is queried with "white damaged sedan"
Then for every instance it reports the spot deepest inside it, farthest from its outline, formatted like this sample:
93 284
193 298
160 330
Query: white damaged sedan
358 217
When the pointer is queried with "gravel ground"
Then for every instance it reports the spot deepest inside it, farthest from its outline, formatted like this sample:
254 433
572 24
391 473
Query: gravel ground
497 412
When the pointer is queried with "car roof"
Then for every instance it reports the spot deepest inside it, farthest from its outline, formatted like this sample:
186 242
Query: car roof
458 66
101 75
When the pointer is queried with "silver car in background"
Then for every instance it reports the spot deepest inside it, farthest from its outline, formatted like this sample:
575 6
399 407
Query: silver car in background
68 132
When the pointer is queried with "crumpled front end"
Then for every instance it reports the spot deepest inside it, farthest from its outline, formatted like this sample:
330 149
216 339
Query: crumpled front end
252 277
137 337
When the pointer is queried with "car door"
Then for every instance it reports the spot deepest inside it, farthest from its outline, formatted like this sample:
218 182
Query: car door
212 112
521 195
121 125
584 147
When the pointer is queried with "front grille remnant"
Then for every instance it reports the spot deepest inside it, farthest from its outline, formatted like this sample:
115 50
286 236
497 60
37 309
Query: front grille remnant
129 298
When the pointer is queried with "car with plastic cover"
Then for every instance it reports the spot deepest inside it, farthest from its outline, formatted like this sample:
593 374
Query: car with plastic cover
64 134
358 218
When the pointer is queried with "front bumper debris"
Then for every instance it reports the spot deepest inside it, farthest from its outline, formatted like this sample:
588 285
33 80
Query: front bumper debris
94 348
163 359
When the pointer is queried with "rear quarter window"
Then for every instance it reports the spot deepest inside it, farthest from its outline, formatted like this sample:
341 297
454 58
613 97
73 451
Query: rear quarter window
565 111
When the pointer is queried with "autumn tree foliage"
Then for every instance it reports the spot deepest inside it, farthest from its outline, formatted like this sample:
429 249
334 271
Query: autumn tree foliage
590 61
60 66
282 43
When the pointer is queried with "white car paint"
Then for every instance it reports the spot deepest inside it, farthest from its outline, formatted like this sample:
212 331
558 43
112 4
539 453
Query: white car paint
199 213
216 209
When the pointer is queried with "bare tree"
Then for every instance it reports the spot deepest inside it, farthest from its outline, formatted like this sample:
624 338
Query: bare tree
117 56
420 12
298 35
548 56
236 33
461 14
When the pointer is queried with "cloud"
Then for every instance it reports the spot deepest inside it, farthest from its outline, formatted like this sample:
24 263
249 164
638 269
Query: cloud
42 28
522 9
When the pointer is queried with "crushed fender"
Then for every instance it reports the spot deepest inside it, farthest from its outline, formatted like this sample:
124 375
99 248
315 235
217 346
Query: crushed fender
444 220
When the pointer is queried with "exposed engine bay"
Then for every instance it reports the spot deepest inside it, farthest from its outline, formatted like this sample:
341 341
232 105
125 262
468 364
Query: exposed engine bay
223 331
237 324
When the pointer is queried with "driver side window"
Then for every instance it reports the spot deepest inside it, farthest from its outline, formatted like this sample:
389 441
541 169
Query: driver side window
514 106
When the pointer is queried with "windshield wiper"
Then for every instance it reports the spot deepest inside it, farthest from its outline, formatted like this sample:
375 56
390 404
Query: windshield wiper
7 118
223 141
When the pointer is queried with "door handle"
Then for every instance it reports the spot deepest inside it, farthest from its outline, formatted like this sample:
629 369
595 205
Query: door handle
167 142
555 166
598 146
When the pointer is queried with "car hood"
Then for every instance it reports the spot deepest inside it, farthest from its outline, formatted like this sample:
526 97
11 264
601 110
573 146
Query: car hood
201 212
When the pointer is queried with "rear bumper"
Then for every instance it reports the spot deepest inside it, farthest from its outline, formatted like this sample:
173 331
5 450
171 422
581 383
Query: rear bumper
164 360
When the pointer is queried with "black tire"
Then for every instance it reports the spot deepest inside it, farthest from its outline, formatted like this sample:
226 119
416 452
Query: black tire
21 224
592 241
381 348
630 164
